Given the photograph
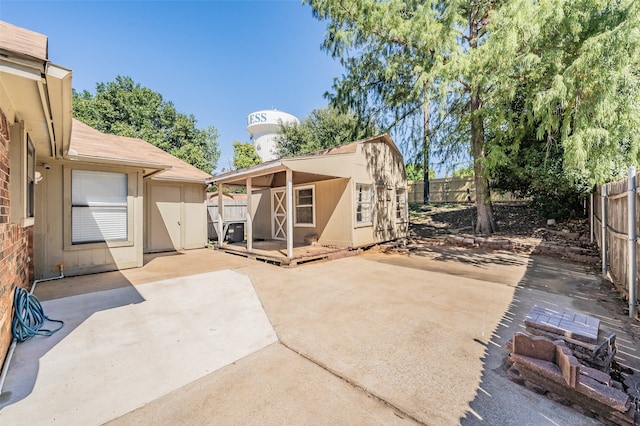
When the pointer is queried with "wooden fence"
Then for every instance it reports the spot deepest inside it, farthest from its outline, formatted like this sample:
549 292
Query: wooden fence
615 234
450 190
233 210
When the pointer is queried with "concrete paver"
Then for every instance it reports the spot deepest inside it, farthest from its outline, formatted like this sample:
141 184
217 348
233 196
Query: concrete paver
569 324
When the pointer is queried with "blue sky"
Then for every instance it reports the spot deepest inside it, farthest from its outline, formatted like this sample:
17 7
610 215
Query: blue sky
217 60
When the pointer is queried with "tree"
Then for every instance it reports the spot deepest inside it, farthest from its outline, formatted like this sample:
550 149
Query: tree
322 129
419 53
575 120
245 155
471 59
389 50
415 171
125 108
463 172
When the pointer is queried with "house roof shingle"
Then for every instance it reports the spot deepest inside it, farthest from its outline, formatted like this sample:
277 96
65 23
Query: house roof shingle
23 41
89 143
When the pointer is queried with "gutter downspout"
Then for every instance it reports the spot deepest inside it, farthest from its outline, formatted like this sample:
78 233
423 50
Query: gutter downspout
7 360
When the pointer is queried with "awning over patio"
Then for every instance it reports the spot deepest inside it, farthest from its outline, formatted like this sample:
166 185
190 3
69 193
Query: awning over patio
332 163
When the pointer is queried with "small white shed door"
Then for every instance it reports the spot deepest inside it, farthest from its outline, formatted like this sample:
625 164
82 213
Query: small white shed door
165 228
278 214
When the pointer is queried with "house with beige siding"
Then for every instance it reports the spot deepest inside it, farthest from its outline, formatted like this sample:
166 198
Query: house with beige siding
73 199
111 199
350 196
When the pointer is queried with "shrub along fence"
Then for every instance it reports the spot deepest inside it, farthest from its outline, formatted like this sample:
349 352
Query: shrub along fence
614 225
450 190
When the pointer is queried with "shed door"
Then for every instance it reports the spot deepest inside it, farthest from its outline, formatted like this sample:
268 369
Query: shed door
165 228
278 214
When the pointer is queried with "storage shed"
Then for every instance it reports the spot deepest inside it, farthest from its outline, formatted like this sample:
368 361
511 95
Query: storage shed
350 196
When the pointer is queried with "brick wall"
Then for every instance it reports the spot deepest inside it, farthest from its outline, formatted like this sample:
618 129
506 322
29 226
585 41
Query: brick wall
16 245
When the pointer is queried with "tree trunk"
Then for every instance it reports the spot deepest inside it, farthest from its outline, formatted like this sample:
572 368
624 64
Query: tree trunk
425 148
485 222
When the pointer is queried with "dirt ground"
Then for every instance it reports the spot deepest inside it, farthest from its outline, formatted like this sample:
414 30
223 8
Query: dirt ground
514 220
519 222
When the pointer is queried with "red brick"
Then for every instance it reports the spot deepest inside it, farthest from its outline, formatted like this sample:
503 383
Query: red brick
534 346
568 364
17 243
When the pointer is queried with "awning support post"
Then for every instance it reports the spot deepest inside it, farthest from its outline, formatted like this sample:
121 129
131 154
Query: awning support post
289 196
220 216
249 219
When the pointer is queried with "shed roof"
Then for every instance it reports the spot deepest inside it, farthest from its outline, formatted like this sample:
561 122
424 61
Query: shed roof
89 144
318 163
24 41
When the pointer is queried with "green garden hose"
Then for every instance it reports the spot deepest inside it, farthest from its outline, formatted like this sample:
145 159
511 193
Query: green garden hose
29 317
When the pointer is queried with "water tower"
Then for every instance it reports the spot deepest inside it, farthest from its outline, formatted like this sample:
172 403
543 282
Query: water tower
263 126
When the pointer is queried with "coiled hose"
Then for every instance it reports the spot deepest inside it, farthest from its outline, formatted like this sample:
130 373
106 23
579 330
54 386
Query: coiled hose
29 317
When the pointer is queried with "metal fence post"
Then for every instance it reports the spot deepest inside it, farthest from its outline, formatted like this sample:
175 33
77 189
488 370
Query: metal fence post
592 231
603 221
631 231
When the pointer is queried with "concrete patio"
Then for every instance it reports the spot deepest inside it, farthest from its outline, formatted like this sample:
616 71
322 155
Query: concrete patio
203 337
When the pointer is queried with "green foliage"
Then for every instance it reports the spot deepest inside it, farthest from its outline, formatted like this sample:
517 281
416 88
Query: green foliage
498 76
576 65
415 171
463 172
322 129
540 175
245 155
125 108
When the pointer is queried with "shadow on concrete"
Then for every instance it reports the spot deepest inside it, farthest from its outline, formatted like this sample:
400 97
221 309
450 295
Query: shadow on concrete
560 285
474 257
148 257
83 296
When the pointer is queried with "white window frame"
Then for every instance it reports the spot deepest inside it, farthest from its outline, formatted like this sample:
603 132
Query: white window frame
296 190
401 205
132 184
22 176
94 210
30 176
358 202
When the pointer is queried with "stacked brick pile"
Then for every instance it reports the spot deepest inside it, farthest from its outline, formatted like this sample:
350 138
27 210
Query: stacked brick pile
579 254
567 358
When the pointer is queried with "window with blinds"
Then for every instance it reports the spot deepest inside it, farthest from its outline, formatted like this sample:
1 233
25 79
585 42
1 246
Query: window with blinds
98 206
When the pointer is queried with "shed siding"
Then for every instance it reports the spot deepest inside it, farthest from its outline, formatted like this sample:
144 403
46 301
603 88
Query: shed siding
333 214
383 167
194 216
261 206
